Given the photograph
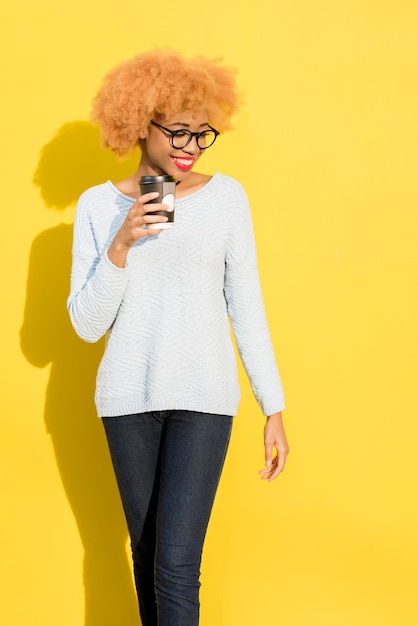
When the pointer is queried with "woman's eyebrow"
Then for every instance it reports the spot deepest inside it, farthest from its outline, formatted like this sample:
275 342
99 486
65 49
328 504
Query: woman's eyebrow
187 125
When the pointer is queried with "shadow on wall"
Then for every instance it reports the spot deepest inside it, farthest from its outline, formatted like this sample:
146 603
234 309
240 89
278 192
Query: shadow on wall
71 162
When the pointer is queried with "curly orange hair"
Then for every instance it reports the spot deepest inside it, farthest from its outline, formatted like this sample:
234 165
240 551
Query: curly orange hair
161 83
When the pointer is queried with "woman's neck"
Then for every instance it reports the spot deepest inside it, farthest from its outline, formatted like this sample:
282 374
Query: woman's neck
193 182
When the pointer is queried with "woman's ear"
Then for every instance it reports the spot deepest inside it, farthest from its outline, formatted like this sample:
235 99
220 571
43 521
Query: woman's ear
143 134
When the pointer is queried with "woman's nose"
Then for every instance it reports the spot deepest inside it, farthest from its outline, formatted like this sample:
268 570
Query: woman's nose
192 146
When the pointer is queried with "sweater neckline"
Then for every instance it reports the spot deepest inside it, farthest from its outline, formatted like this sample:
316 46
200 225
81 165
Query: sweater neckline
182 200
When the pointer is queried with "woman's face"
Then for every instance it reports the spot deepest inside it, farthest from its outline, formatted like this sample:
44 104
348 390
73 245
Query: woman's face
158 155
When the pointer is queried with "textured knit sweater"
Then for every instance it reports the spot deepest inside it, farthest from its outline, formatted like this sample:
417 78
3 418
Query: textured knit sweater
166 312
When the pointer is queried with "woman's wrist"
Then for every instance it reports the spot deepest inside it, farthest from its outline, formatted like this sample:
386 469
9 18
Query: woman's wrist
117 254
277 415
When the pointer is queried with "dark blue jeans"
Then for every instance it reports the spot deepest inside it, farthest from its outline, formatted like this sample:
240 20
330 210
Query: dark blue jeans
168 465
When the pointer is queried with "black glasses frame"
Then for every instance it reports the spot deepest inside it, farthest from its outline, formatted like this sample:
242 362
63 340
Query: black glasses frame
184 131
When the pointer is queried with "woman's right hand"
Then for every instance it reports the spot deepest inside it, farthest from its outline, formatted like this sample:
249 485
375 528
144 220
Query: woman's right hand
135 227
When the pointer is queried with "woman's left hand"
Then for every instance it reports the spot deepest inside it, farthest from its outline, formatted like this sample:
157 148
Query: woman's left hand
274 442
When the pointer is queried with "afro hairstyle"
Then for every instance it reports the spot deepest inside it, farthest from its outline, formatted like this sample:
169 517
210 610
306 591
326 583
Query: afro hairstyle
161 83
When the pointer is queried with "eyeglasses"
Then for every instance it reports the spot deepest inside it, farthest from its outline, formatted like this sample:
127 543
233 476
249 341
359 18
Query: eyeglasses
181 138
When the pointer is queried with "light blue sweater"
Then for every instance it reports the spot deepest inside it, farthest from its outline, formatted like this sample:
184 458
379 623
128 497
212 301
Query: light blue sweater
170 343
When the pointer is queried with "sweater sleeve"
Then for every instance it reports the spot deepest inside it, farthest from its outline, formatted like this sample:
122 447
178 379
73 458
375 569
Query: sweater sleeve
246 310
97 286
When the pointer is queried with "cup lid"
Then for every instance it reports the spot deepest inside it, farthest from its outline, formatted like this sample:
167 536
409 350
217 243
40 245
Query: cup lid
165 178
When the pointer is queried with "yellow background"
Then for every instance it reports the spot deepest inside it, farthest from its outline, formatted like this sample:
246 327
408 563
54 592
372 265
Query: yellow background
326 146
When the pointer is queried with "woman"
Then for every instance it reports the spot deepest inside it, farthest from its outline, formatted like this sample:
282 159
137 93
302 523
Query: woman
167 387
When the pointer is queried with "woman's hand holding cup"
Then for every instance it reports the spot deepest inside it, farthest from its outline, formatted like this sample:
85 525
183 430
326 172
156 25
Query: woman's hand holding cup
135 227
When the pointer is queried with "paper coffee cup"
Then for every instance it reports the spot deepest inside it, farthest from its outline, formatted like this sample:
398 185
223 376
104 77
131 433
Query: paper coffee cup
166 187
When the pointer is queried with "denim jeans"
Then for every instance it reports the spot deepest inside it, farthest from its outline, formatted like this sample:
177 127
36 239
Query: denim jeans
168 465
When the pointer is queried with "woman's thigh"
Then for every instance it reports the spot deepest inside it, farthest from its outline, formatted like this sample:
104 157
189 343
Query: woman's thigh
193 451
134 443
